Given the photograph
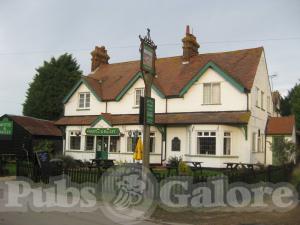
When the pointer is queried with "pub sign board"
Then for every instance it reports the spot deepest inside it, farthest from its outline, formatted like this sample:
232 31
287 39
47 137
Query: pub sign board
6 128
103 131
150 111
43 158
148 58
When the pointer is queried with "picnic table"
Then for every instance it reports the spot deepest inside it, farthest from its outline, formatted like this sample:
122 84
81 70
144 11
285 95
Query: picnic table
235 166
196 166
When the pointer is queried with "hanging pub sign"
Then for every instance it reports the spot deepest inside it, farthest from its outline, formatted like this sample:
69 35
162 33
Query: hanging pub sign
6 128
150 110
103 131
148 55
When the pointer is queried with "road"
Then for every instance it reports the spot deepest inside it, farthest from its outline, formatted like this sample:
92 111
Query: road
56 218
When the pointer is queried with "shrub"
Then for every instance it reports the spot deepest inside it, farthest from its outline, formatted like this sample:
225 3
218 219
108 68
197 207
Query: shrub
174 161
69 162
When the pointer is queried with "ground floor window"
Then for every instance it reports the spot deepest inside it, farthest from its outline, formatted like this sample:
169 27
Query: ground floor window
152 142
89 143
131 143
114 144
75 140
206 142
227 143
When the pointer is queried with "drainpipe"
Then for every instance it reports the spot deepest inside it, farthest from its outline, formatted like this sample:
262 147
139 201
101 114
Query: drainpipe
105 107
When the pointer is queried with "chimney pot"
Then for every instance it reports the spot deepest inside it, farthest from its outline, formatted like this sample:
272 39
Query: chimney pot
190 45
99 56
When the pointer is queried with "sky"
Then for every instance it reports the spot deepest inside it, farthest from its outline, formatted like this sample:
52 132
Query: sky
32 31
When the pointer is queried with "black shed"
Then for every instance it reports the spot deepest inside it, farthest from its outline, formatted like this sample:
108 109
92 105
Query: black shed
20 134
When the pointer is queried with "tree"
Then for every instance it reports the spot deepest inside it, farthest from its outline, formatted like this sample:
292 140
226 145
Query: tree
283 150
291 104
53 81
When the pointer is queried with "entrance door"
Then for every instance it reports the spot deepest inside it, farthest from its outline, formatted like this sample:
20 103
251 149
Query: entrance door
102 147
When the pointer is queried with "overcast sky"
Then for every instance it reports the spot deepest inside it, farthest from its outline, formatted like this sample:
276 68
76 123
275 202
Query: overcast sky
35 30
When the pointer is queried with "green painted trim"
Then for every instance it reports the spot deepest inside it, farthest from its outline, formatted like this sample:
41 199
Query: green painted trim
129 85
158 92
99 119
132 82
76 86
219 71
162 130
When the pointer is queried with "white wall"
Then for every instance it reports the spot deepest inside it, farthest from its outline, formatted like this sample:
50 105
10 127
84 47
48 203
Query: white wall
231 98
126 104
71 107
123 155
259 115
188 136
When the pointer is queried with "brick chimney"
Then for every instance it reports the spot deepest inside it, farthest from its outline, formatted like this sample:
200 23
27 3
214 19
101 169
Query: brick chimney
99 56
190 45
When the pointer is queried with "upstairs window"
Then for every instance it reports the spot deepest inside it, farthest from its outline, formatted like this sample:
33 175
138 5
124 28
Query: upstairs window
84 100
262 100
137 95
256 96
211 93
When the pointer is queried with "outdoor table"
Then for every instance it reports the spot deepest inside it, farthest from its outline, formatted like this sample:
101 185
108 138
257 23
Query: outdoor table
232 166
196 166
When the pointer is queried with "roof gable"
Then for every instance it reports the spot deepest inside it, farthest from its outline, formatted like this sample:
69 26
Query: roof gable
92 84
110 82
217 69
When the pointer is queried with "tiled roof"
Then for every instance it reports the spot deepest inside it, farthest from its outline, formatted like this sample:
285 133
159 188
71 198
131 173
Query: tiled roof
36 126
280 125
173 75
240 117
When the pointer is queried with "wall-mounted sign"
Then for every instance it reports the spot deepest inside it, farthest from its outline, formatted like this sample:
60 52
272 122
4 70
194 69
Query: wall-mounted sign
150 111
103 131
6 127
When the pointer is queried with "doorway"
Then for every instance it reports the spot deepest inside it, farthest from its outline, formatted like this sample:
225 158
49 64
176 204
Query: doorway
102 147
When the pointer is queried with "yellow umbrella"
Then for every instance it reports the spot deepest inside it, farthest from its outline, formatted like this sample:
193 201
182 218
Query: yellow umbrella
138 153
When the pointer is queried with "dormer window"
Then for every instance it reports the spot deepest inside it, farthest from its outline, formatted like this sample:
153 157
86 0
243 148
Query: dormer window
137 95
84 100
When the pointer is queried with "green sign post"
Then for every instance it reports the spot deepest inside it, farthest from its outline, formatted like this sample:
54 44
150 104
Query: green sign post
150 111
6 127
147 66
103 131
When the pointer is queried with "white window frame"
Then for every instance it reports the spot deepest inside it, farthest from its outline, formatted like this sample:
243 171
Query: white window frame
262 95
75 133
227 135
85 144
137 98
256 96
86 104
201 134
211 93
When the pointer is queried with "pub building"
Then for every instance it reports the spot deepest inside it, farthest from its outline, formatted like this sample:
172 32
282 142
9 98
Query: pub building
209 107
